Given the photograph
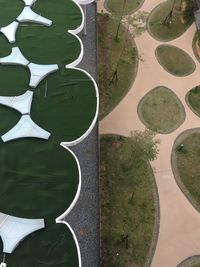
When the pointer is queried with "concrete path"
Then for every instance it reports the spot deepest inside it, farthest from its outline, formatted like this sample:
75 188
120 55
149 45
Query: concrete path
179 236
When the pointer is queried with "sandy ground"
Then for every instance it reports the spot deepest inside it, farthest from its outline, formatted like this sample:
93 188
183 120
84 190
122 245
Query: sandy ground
179 235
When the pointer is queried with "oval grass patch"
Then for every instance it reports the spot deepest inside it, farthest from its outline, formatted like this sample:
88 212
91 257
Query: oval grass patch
161 110
174 60
159 30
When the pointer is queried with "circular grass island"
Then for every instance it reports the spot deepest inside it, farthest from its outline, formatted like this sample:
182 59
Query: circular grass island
174 60
193 261
193 99
116 6
161 111
160 30
185 164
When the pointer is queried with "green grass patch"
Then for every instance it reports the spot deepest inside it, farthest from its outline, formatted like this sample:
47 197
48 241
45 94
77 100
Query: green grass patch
175 60
127 205
193 99
161 110
180 21
114 55
116 6
185 164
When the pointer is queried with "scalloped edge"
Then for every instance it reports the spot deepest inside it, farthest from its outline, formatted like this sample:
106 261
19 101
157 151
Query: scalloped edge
61 218
66 145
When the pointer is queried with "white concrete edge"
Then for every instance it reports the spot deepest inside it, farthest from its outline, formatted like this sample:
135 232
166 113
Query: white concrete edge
80 57
60 219
74 33
79 28
75 240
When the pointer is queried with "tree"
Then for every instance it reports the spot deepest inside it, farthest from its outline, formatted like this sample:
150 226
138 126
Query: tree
188 10
114 76
169 18
185 7
139 148
120 20
136 151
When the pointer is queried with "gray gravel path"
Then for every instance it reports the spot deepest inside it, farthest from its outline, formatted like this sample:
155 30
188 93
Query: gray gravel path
84 218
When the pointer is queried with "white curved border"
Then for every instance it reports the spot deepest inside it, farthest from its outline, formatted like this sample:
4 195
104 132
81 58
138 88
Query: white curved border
66 145
73 66
60 219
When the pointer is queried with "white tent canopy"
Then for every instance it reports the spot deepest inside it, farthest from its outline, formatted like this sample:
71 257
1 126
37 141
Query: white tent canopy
15 58
25 128
10 30
28 15
13 230
21 103
39 72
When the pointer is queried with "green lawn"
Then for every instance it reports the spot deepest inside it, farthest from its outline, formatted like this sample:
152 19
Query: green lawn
186 166
193 99
10 12
116 6
112 53
127 206
172 31
161 110
39 178
175 60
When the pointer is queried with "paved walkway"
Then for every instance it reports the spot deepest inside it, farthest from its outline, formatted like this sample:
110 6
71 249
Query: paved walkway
179 236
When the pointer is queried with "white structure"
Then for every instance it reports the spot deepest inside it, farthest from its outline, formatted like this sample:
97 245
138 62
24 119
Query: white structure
10 31
3 264
28 15
21 103
84 2
25 128
15 58
29 2
13 230
39 72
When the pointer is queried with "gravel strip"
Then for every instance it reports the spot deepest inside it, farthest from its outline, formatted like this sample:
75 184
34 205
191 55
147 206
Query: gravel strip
84 218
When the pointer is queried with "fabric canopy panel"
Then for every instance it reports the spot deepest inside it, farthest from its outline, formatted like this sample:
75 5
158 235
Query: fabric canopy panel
14 229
